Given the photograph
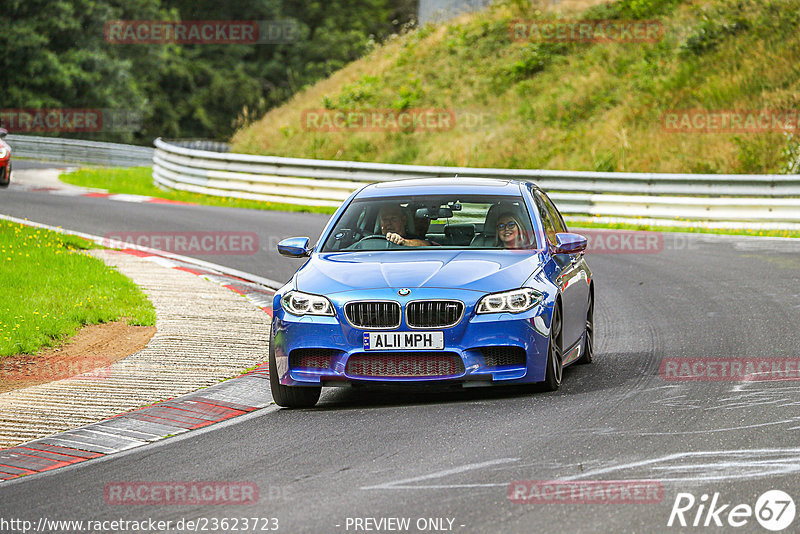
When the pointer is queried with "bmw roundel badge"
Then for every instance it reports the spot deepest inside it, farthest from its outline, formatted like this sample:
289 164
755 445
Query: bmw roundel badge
404 292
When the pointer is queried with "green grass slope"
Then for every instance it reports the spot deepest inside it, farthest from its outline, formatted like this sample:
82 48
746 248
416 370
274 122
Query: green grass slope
49 289
579 106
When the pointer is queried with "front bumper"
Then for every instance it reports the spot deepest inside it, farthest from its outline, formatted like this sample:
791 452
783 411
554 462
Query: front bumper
470 343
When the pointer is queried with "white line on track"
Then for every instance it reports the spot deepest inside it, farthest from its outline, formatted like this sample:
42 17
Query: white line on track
693 466
712 465
403 484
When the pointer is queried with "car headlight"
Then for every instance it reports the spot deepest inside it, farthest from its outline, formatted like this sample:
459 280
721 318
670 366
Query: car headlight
3 152
298 303
516 301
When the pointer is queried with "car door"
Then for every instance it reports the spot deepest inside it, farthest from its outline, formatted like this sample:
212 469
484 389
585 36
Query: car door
571 279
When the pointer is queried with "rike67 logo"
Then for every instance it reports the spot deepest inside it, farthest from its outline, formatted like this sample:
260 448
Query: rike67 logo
774 510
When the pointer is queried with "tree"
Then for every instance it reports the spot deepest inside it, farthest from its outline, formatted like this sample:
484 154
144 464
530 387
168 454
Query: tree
53 55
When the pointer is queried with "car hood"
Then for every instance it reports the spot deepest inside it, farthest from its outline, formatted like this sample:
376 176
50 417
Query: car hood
478 270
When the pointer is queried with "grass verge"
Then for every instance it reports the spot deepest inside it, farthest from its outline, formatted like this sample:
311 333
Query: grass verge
49 289
139 181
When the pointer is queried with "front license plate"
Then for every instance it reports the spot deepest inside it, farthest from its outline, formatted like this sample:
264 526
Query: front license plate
403 340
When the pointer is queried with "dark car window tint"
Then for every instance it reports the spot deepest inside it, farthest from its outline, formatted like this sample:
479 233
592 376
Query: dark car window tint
444 220
547 223
558 221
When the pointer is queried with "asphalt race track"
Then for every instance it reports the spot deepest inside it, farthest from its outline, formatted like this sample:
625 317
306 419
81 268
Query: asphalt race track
453 454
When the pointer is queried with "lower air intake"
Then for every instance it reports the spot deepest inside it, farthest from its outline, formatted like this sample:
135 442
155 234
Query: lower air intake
405 365
504 356
311 358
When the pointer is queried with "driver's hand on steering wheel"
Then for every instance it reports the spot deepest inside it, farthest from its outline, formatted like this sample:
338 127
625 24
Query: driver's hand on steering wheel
397 239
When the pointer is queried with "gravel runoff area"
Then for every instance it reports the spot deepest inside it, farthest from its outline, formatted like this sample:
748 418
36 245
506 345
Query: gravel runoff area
205 333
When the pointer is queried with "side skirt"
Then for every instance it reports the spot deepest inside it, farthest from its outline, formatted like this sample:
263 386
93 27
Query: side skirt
574 353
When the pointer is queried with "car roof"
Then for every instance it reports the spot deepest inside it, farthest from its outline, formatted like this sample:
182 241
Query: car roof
442 186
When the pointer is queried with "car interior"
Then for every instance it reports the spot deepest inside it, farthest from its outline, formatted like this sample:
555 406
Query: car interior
451 225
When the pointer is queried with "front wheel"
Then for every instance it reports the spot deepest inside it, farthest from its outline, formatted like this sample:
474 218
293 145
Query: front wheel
289 396
555 362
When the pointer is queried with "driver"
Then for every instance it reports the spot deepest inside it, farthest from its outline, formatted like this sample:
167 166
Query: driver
393 226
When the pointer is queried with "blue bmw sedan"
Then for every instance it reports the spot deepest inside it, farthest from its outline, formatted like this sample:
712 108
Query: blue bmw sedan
469 282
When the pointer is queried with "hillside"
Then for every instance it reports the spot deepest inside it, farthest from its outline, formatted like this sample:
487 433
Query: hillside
567 105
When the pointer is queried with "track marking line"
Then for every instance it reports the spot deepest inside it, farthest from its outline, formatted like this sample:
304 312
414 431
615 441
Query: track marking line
404 484
733 465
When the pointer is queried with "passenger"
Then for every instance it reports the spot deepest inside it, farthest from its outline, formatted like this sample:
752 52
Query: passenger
393 226
510 232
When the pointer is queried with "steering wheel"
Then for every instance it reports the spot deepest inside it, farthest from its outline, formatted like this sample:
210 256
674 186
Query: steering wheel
379 240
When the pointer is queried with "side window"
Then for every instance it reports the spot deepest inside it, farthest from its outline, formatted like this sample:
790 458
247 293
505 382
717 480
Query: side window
558 220
547 222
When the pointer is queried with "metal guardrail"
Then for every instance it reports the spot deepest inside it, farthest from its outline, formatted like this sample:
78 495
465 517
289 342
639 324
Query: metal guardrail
80 151
716 197
201 144
208 167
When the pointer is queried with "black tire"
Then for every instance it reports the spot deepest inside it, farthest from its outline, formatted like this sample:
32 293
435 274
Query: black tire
588 343
289 396
5 176
555 356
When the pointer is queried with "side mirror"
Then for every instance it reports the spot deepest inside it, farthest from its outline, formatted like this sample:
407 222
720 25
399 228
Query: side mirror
294 247
3 133
570 243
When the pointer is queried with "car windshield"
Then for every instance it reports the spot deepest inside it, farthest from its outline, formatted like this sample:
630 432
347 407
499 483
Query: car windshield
455 222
